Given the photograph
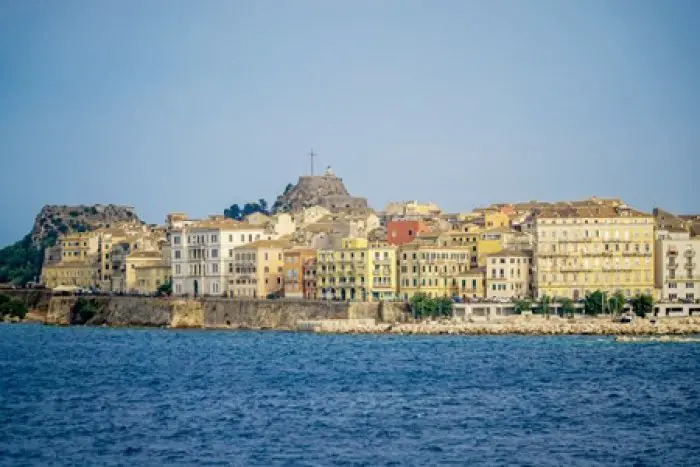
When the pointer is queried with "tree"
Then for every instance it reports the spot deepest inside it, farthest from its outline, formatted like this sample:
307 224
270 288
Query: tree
594 303
84 310
545 304
423 306
21 262
567 306
234 212
12 306
642 304
616 303
523 305
165 289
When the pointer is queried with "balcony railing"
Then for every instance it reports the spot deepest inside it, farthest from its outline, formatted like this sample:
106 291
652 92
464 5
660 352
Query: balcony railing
689 265
673 265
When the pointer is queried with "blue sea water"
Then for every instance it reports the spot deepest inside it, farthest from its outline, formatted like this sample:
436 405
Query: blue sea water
99 396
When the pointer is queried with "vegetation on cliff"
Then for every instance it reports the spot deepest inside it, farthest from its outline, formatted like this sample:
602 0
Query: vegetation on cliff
12 307
84 310
21 261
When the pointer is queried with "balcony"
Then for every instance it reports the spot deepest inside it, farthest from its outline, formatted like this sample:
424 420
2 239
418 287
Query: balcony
383 261
689 265
672 265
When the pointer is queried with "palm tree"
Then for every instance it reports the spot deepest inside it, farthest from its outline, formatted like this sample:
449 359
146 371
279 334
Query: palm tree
567 306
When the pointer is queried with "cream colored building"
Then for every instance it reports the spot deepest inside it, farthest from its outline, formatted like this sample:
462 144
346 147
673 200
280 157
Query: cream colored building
78 264
434 270
676 270
508 274
258 269
203 254
583 249
145 271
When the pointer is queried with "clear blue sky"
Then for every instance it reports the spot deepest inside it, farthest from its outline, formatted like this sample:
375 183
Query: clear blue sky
193 105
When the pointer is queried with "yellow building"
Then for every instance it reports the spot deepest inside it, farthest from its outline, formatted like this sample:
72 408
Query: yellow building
77 265
258 269
146 271
435 270
583 249
358 270
69 273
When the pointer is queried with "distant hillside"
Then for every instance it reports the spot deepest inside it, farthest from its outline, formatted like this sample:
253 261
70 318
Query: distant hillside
55 220
21 262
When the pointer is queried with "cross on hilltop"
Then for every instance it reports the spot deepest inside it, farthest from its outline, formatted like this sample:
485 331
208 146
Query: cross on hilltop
312 154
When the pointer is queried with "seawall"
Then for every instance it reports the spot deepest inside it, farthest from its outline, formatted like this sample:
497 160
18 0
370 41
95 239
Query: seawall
214 313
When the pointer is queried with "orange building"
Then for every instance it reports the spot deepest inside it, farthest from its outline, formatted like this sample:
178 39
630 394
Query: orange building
400 232
294 259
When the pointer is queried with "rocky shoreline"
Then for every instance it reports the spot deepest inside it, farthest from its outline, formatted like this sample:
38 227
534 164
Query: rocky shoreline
535 327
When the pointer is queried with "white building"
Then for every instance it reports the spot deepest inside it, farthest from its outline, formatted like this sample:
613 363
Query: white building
676 272
202 254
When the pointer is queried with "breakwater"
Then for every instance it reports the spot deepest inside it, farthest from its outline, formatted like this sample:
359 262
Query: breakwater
212 312
526 325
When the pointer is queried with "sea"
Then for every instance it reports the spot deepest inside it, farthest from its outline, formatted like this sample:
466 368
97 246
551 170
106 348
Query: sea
142 397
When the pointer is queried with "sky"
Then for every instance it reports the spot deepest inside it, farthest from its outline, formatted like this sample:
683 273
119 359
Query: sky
177 105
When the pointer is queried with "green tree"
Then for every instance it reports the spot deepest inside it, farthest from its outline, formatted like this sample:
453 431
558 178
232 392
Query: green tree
21 262
594 303
12 306
567 306
616 303
165 289
84 310
545 304
523 305
234 212
642 304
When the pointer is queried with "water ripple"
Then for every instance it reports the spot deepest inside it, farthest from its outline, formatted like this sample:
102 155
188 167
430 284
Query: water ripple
87 396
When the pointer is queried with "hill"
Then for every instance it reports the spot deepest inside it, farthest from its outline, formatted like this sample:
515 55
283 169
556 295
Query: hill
21 262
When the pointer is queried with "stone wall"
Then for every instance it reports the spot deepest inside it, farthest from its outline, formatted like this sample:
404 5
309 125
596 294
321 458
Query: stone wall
34 299
216 313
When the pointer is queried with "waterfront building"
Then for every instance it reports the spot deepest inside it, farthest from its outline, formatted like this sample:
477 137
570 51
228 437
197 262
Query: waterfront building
258 269
293 270
145 271
309 273
434 270
508 274
357 270
203 254
77 265
593 247
676 272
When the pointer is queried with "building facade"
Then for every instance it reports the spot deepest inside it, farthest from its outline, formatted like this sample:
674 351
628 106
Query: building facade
676 272
434 270
202 258
401 232
259 269
584 249
293 269
508 274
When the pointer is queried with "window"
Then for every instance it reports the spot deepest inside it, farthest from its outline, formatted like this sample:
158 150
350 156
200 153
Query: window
242 238
177 254
215 268
688 285
213 239
672 285
176 240
230 238
690 296
177 269
214 253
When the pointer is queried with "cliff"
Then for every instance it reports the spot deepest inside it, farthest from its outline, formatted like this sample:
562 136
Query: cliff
210 312
55 220
326 190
